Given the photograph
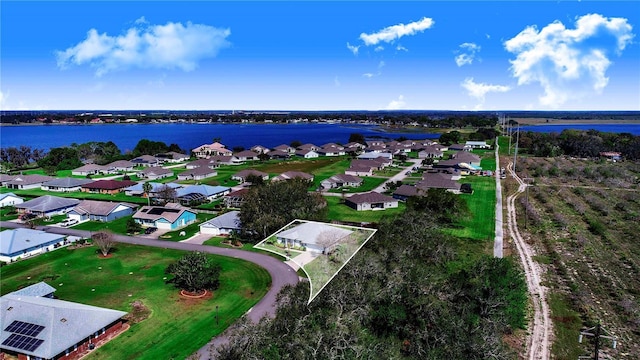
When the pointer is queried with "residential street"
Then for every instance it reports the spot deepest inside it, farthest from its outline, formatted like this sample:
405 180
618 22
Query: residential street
399 176
281 273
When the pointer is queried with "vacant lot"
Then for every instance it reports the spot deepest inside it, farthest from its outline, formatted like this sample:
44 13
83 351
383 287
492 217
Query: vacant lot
583 217
176 327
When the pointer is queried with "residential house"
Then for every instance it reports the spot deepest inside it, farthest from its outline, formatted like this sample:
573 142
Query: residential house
288 175
331 151
246 155
478 144
341 180
360 170
307 154
155 173
172 157
224 224
460 147
146 160
235 199
137 190
611 155
376 149
168 217
217 160
467 157
4 179
374 155
119 166
47 205
279 154
309 146
110 187
208 150
354 146
259 149
371 143
64 184
100 210
10 199
41 289
284 147
404 191
197 174
41 327
438 181
25 182
204 193
89 169
314 237
21 243
371 201
431 152
201 163
242 175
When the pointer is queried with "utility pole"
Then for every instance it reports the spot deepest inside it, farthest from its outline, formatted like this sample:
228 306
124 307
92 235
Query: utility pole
599 333
515 152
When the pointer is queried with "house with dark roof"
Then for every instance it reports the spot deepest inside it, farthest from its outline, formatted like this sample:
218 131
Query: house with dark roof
242 175
154 173
341 180
21 243
235 199
279 154
222 225
405 191
111 187
197 174
64 184
217 160
313 236
246 155
47 205
284 147
460 147
100 210
430 152
25 182
170 217
371 201
89 169
438 181
360 170
146 160
288 175
10 199
40 327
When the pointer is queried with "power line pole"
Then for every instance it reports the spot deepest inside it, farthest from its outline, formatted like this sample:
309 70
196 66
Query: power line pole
515 152
599 333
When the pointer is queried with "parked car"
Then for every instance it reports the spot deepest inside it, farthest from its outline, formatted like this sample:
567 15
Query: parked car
69 222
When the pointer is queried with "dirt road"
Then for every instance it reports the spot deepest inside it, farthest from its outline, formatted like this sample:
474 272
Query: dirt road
539 337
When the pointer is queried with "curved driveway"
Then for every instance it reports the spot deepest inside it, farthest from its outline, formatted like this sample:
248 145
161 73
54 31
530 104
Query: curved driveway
281 273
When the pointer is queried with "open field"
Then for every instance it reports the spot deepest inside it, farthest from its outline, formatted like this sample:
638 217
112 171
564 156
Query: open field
341 212
176 327
582 217
118 226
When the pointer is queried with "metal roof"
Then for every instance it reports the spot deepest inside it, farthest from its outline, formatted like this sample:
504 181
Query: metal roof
16 240
229 220
47 203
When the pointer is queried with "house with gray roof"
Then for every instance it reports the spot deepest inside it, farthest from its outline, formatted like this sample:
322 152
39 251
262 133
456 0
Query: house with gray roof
10 199
246 155
197 174
405 191
146 160
307 154
341 180
119 166
22 243
47 205
5 178
154 173
242 175
100 210
89 169
204 193
64 184
288 175
25 182
172 157
438 181
41 289
222 225
314 236
37 327
371 201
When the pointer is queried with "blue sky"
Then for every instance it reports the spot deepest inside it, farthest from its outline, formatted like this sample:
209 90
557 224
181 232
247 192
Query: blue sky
363 55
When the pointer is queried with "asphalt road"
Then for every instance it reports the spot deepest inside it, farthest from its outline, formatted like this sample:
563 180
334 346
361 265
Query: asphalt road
281 274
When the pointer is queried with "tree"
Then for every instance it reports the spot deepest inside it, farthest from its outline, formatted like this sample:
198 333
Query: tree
445 206
271 206
357 137
451 137
295 144
146 189
133 227
194 272
63 158
237 149
148 147
167 194
104 241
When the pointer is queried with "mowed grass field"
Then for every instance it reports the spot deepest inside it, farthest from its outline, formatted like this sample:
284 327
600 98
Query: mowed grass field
342 212
176 328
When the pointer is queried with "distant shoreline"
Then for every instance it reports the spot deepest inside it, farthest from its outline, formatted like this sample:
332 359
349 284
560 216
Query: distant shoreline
544 121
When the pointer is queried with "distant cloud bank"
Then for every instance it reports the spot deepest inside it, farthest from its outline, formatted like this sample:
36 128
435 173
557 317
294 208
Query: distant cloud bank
568 63
169 46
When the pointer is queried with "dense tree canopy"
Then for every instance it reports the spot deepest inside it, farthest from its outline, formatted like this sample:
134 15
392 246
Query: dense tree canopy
270 206
63 158
149 147
451 137
194 272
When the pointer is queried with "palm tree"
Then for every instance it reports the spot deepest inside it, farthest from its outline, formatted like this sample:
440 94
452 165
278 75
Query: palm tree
146 188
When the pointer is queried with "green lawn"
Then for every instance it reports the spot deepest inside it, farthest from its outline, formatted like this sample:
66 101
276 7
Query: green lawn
482 205
118 226
78 195
50 220
176 328
8 213
342 212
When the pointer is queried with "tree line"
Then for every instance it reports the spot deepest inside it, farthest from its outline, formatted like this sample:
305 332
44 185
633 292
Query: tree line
413 292
578 143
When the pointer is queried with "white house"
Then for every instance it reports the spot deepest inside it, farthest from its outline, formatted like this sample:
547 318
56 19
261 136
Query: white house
222 225
10 199
22 243
371 201
315 237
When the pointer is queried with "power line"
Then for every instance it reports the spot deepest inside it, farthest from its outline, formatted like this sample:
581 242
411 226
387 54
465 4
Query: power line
599 333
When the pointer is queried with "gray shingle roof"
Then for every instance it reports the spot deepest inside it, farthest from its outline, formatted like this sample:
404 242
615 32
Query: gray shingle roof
39 289
370 197
65 323
47 203
229 220
29 179
67 182
102 208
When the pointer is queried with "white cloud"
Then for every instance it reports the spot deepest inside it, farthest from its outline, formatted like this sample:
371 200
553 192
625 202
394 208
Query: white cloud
378 48
394 32
353 49
479 90
568 63
468 53
397 104
368 75
170 46
401 48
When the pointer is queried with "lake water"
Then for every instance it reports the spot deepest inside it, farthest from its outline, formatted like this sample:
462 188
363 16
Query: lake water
189 136
614 128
